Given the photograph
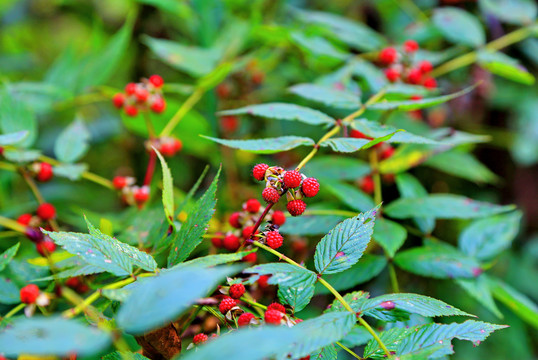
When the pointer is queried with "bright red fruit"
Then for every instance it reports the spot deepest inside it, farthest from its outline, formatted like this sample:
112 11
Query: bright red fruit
388 55
310 187
45 172
141 195
273 317
46 211
24 219
251 258
425 66
274 239
227 304
367 184
245 319
118 100
45 247
270 195
292 179
234 220
430 83
130 88
119 182
158 105
236 291
199 338
278 218
296 207
392 74
414 76
130 110
278 307
386 153
229 123
231 242
358 135
252 206
217 240
29 294
259 171
168 149
141 94
247 232
410 46
156 81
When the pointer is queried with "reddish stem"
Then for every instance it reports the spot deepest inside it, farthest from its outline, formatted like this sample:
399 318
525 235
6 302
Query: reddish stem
257 225
151 168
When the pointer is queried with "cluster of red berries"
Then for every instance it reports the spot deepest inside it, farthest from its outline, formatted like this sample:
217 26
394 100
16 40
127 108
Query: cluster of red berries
168 146
45 212
229 123
278 182
131 194
141 96
42 171
77 284
400 66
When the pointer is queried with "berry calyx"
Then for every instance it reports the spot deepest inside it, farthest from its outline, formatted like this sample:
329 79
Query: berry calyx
252 206
227 304
292 179
236 291
259 171
244 319
273 317
234 220
199 338
158 105
120 182
367 184
392 74
231 242
425 66
45 172
310 187
388 55
410 46
24 219
45 247
118 100
156 81
278 307
130 110
217 240
46 211
296 207
270 195
274 239
278 218
29 294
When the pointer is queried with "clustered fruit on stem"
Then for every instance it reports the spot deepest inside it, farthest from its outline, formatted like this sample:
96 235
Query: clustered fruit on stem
143 96
44 213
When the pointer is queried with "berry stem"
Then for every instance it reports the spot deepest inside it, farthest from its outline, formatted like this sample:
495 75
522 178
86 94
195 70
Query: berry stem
257 224
7 166
375 336
374 164
151 167
393 278
149 126
12 224
86 174
348 350
13 311
182 111
276 253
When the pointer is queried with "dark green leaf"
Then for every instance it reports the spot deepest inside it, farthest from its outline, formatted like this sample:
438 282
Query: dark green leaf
327 96
212 260
519 12
284 274
410 187
310 224
389 235
73 142
266 146
349 195
122 355
296 297
462 164
337 168
458 26
376 130
505 66
349 145
479 289
8 255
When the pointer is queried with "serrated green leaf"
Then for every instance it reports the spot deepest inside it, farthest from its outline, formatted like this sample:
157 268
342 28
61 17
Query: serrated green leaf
344 245
123 355
391 338
371 74
282 111
72 143
267 145
337 168
52 336
376 130
463 165
358 336
328 96
389 235
168 189
326 353
486 238
284 274
520 12
410 187
74 272
366 269
349 145
443 206
458 26
505 66
310 224
191 232
355 299
479 289
349 195
212 260
154 302
9 292
8 255
16 117
13 138
70 171
296 297
21 155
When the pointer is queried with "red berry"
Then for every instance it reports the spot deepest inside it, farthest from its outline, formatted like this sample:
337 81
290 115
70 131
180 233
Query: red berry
29 294
392 74
310 187
410 46
367 184
141 195
277 307
273 317
45 172
251 258
386 153
236 291
167 149
156 81
270 195
245 319
252 206
258 77
414 76
223 90
141 94
227 304
231 242
73 282
274 239
24 219
234 220
262 281
388 55
158 105
119 182
229 123
118 100
296 207
199 338
45 247
130 110
217 240
278 218
178 145
425 66
130 88
259 171
46 211
430 83
292 179
247 232
416 97
358 135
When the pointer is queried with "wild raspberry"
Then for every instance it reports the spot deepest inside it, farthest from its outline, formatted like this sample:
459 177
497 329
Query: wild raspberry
29 294
217 240
245 319
119 182
263 281
178 145
45 172
292 179
199 339
227 304
259 171
167 149
270 195
156 81
358 135
273 317
414 76
24 219
258 77
278 218
45 247
388 55
234 220
229 123
251 258
416 97
46 211
130 110
158 105
386 153
236 291
278 307
252 206
425 66
231 242
73 282
130 88
141 195
392 74
274 239
141 94
429 83
410 46
247 232
310 187
223 90
296 207
367 184
118 100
